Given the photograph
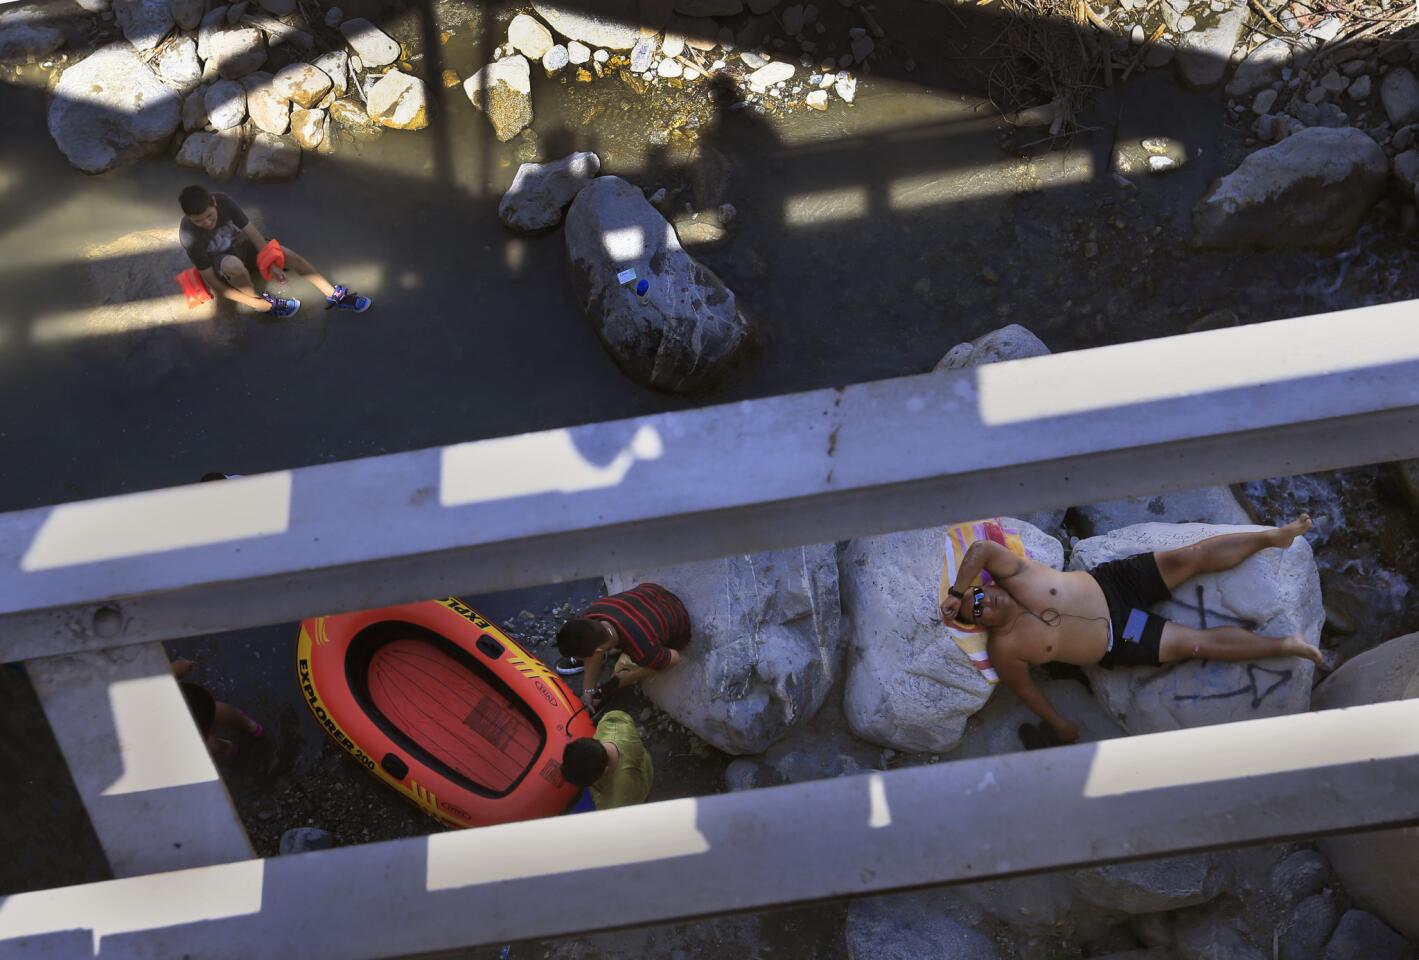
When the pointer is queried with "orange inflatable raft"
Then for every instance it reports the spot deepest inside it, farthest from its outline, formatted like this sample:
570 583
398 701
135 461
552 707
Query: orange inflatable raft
441 705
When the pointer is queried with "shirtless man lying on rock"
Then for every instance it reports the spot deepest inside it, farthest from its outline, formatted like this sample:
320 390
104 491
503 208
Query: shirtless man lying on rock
1037 614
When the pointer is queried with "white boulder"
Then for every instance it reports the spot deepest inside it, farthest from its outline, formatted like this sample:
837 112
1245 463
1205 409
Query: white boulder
110 109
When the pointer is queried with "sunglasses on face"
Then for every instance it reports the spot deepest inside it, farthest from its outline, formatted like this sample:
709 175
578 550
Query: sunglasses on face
977 603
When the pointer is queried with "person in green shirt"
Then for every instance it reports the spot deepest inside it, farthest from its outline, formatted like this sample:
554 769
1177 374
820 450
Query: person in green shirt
614 763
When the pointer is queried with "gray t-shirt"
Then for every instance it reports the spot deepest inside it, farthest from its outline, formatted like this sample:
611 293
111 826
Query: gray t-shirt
205 248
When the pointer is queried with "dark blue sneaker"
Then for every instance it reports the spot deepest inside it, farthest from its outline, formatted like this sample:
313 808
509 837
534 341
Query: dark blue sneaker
282 307
345 300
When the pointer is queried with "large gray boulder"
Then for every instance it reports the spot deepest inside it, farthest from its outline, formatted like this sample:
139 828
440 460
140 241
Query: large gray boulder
1216 505
1012 342
1378 868
615 25
1274 593
909 686
26 35
911 926
1204 53
110 109
144 22
767 644
1304 933
1310 190
541 191
686 331
503 91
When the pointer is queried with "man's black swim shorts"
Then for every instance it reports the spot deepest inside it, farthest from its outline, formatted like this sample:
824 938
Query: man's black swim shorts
1130 586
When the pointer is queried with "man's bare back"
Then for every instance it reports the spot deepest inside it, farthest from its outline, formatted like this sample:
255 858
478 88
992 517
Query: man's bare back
1037 614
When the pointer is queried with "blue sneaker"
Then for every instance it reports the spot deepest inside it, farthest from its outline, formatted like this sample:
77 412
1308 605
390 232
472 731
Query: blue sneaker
345 300
282 307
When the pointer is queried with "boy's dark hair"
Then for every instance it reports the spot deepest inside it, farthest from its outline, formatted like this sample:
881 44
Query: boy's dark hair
584 761
194 200
579 638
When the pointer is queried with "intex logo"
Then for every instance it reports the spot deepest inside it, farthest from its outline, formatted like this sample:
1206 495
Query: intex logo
546 693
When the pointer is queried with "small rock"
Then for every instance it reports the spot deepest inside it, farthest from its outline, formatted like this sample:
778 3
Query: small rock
336 66
1363 936
302 83
673 45
1310 926
540 192
818 100
237 51
578 52
862 48
771 73
1403 138
223 152
503 91
144 22
271 158
792 20
753 60
270 111
1399 92
178 64
555 60
333 17
1136 36
374 47
398 101
303 839
1360 88
1406 168
225 101
727 212
187 14
846 88
658 197
194 110
529 37
669 69
193 153
1334 82
1186 23
601 56
1264 101
1316 94
308 127
642 54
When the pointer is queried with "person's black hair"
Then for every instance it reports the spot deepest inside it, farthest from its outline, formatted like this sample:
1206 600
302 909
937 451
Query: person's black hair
579 638
194 200
584 760
213 476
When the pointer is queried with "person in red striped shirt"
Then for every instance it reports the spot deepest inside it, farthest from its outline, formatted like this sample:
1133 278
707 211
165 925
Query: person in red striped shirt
647 624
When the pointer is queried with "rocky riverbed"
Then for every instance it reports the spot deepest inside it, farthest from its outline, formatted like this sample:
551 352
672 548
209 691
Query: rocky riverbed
838 170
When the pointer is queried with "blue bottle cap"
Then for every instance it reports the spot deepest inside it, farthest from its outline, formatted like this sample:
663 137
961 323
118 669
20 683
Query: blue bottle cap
641 287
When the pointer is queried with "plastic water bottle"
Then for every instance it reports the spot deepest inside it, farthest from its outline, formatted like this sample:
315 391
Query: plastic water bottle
628 278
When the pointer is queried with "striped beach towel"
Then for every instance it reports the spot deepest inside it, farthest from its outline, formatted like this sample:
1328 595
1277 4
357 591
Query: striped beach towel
972 640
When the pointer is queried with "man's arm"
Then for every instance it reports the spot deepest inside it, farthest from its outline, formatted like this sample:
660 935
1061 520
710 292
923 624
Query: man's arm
591 673
254 235
982 555
221 288
636 674
1016 675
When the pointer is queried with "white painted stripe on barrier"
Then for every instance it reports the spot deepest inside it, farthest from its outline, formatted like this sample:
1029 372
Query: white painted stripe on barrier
1152 417
844 837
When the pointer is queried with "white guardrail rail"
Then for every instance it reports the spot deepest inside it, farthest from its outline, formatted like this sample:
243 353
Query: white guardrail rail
87 588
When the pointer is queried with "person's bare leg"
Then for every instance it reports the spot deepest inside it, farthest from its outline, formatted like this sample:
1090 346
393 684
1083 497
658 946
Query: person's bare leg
1225 552
235 276
1230 643
298 263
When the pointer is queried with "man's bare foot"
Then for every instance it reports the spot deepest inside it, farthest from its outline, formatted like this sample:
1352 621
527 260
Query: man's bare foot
1296 646
1282 536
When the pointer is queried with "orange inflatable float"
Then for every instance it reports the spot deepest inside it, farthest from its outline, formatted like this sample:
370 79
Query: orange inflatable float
194 288
442 706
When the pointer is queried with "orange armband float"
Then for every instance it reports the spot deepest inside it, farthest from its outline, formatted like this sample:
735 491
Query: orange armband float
270 256
194 288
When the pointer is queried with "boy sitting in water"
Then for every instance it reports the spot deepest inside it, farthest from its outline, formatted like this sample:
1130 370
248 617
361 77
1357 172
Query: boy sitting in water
223 244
